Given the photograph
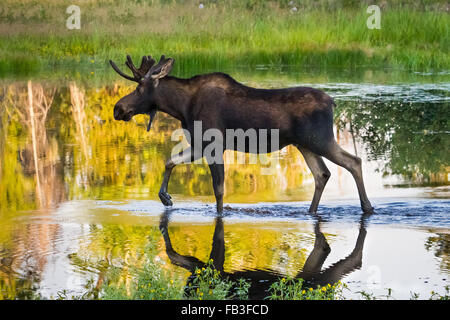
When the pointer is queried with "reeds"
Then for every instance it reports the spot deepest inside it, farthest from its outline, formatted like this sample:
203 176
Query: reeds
227 33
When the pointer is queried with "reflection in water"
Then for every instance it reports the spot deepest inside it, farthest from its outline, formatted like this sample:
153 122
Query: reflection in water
23 261
39 157
262 279
92 244
440 245
70 146
31 166
69 143
411 138
14 284
60 143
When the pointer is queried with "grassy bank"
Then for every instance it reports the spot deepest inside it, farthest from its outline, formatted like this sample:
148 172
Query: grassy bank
33 35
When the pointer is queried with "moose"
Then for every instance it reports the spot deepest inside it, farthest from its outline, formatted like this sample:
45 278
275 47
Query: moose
303 117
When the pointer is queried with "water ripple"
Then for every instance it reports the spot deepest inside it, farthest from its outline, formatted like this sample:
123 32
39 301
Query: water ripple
407 93
408 212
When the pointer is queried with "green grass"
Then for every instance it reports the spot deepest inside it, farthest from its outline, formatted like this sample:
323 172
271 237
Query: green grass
293 289
153 283
321 34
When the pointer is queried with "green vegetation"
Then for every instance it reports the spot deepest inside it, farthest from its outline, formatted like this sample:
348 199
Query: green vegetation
322 34
152 282
208 284
293 289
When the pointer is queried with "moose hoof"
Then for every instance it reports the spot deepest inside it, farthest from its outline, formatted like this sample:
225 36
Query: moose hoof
165 198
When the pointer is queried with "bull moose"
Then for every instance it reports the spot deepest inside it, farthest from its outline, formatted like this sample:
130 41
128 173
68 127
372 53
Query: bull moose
302 115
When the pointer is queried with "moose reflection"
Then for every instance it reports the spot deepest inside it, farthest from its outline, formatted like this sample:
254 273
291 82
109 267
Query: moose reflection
312 273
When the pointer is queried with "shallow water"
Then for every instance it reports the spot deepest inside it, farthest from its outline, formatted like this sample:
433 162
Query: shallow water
88 201
400 248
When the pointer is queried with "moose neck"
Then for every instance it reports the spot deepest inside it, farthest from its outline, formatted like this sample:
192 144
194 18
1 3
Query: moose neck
173 97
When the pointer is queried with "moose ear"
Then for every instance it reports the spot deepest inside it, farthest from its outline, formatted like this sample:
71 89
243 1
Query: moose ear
163 69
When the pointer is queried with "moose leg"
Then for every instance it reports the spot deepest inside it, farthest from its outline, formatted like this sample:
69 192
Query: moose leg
184 156
188 262
353 164
218 246
218 177
314 262
320 172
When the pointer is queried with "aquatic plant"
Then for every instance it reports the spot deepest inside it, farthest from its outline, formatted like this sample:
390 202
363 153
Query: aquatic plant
207 283
295 289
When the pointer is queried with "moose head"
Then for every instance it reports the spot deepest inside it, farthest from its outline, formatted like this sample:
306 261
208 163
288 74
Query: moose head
141 100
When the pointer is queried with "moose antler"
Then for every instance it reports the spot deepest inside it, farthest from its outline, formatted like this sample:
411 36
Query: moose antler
138 73
161 69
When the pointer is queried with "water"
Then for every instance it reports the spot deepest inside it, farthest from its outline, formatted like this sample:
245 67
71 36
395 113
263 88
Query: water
81 198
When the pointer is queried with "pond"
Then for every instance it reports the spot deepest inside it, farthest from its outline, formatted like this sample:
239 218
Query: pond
79 191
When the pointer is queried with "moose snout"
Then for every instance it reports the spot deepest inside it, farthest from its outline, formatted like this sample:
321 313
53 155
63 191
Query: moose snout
118 111
121 114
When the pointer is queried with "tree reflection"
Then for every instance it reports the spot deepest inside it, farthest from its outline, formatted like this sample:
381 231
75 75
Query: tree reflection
440 245
412 138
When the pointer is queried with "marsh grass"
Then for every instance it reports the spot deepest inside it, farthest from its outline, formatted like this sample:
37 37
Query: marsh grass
207 283
151 283
295 289
438 296
223 34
